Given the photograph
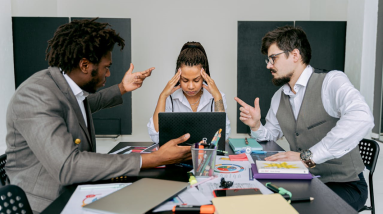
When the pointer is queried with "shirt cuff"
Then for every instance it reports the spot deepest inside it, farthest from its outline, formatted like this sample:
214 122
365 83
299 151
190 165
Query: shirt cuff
258 133
320 153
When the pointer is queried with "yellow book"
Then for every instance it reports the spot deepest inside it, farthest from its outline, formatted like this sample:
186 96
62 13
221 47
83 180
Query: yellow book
273 203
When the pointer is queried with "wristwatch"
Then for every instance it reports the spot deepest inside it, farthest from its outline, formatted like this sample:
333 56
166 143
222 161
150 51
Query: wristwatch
306 157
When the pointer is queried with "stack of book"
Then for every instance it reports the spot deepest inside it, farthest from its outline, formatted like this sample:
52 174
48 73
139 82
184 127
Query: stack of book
280 170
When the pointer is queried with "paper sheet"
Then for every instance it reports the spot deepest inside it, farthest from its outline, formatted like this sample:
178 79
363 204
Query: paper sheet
85 194
190 197
237 171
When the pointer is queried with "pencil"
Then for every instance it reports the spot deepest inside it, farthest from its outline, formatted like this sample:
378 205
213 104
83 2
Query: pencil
302 200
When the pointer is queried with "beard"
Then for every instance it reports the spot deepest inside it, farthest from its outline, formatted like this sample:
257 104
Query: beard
91 86
281 80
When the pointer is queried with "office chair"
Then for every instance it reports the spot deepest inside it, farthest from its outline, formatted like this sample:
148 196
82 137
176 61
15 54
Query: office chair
3 176
14 200
369 150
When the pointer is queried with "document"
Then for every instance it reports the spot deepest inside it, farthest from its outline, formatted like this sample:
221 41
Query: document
190 197
85 194
237 171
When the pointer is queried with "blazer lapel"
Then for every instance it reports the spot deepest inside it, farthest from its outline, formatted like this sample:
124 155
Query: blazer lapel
59 79
90 125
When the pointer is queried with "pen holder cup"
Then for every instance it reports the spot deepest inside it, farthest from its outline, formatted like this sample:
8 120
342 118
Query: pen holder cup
204 162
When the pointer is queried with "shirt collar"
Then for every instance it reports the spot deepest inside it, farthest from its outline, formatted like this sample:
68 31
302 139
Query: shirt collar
206 96
77 91
301 82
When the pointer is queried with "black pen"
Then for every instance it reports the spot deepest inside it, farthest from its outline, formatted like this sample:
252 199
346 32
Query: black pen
302 200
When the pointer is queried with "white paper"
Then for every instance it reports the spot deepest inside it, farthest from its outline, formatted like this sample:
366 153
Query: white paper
237 171
85 194
190 196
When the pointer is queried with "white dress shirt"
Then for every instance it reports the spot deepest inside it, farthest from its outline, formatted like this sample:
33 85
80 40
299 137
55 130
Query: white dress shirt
181 104
79 94
340 100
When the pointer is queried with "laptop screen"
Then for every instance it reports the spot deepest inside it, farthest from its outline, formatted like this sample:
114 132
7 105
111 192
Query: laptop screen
198 124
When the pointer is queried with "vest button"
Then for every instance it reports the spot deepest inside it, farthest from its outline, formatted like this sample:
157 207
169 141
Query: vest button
297 134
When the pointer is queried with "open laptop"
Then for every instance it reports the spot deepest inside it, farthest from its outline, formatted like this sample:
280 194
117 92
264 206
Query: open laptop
139 197
198 124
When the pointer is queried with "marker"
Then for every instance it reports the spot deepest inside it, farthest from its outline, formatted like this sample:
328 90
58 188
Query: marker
194 209
192 179
302 200
258 152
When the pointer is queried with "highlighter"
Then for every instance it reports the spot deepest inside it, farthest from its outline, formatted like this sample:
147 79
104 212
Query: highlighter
194 209
192 179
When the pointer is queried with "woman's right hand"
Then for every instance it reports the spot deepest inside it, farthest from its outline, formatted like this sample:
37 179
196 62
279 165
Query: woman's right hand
169 88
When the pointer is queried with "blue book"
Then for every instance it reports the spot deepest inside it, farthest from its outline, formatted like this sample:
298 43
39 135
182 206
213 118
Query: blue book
237 144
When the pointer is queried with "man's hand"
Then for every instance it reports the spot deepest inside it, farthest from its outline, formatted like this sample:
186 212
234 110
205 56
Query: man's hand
132 81
169 153
285 156
250 116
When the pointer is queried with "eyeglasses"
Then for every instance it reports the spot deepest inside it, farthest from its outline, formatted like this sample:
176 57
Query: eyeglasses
271 58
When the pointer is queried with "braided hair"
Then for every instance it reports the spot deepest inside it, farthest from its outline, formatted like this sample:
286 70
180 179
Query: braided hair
81 39
192 53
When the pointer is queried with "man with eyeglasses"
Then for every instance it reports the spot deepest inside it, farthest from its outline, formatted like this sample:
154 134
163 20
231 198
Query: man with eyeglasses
321 114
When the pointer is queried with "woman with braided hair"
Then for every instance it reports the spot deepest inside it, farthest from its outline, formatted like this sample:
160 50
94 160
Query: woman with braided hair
191 89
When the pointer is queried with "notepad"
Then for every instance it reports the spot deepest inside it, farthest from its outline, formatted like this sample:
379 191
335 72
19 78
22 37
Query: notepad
273 203
237 144
260 176
288 167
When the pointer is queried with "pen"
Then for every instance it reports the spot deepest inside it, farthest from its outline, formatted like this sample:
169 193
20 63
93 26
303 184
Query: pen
103 186
205 209
250 174
258 152
206 180
302 200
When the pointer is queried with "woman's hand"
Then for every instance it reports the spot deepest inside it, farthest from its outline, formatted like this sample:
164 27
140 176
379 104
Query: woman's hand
211 87
169 88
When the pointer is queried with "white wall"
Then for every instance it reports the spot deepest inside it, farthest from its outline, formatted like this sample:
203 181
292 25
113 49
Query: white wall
361 45
7 81
160 28
362 21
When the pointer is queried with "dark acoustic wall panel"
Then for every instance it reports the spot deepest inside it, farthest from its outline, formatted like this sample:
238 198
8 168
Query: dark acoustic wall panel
117 120
253 79
30 40
30 36
328 43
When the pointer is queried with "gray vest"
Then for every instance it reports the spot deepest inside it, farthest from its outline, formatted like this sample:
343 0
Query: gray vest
312 125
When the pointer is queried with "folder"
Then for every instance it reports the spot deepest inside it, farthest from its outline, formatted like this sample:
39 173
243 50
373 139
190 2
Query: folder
273 203
238 143
261 176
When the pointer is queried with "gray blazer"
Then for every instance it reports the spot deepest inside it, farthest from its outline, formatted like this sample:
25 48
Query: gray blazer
43 122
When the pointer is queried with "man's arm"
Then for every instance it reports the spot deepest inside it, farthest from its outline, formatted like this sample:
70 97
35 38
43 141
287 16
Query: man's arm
356 120
251 116
42 118
111 96
341 100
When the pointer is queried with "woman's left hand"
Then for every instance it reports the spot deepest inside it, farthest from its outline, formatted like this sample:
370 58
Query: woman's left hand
211 87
